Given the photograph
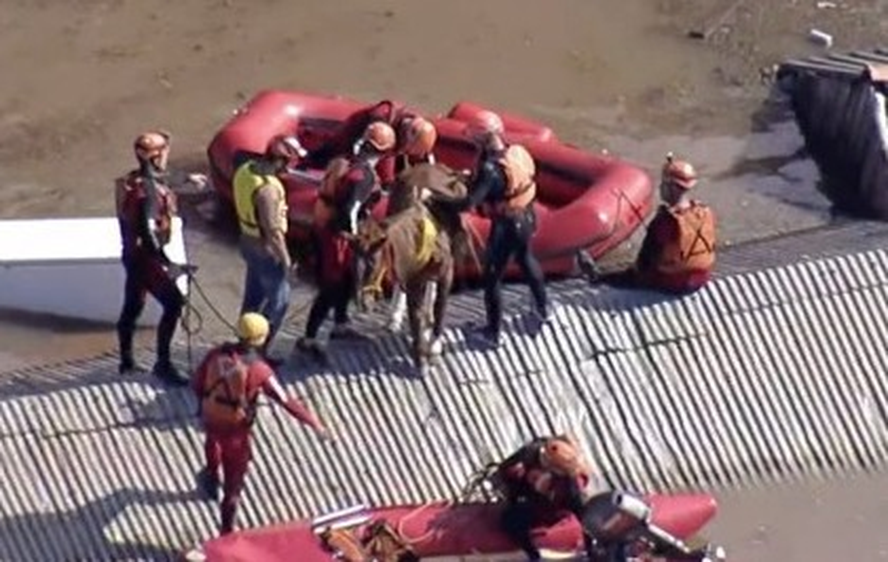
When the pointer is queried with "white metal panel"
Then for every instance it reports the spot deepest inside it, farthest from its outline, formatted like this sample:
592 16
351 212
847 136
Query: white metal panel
71 268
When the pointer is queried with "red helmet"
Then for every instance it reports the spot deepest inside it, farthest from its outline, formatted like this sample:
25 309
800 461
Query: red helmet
485 122
151 144
419 136
285 146
679 172
380 135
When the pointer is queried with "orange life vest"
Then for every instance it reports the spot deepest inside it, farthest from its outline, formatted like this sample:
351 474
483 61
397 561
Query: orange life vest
129 191
227 401
330 192
693 248
325 206
519 169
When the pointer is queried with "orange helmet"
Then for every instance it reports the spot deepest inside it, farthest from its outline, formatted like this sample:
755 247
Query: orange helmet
561 456
485 122
285 146
380 135
419 136
679 172
151 144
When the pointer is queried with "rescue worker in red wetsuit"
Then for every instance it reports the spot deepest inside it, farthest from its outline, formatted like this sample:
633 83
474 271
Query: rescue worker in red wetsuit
503 186
348 189
407 127
228 383
678 252
542 483
416 139
145 210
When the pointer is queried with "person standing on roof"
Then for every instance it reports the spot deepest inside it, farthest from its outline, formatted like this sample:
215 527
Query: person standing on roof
349 189
678 252
503 186
228 383
261 204
542 483
146 207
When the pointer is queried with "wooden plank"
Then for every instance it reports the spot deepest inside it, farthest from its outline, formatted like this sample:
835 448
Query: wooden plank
869 56
817 67
846 59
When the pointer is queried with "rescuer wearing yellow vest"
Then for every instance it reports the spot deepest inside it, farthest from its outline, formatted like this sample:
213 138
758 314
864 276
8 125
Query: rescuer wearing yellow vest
261 204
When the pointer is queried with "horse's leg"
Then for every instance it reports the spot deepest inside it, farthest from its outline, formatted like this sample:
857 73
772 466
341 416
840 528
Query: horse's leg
428 304
415 298
442 285
399 309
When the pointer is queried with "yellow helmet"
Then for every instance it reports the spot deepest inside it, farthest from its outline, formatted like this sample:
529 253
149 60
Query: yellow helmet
252 329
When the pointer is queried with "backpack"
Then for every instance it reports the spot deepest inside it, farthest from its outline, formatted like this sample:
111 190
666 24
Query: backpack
226 403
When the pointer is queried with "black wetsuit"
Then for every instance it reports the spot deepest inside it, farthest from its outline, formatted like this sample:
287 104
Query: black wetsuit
524 508
510 236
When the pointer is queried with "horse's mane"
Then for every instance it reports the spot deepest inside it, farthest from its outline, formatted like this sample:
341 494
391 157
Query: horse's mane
402 219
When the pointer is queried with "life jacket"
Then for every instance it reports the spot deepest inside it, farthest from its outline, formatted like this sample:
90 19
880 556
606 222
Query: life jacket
693 248
524 473
334 188
377 542
227 401
129 192
246 183
385 544
519 170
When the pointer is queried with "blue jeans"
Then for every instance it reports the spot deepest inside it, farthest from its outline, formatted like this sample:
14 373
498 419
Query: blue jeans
266 288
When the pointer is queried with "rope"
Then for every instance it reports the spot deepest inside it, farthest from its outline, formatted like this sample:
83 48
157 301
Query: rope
475 481
192 321
425 536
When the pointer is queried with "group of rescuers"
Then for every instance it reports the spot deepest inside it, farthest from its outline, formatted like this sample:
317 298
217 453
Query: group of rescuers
362 158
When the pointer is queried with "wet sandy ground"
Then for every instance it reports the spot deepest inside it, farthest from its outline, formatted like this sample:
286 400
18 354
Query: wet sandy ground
620 75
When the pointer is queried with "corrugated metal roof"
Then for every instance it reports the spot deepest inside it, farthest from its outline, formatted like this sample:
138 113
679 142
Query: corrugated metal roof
762 375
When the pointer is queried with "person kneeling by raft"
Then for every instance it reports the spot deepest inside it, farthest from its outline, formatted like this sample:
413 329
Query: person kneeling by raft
542 483
678 252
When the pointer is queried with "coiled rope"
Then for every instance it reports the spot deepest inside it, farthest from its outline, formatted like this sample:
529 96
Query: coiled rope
192 321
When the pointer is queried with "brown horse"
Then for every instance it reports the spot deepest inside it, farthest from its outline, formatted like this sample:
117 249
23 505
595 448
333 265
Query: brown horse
413 251
422 182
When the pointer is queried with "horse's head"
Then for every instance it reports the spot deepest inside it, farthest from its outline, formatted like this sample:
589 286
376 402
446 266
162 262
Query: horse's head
371 264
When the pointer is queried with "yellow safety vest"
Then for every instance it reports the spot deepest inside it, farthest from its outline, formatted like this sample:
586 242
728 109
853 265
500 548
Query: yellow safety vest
246 183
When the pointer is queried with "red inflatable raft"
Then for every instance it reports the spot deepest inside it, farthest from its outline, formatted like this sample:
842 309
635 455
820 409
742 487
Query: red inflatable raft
585 201
443 532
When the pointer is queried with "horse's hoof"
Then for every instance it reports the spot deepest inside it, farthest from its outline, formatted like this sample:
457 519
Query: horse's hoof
436 348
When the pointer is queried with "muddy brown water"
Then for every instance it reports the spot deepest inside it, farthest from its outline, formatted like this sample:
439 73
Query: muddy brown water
82 77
